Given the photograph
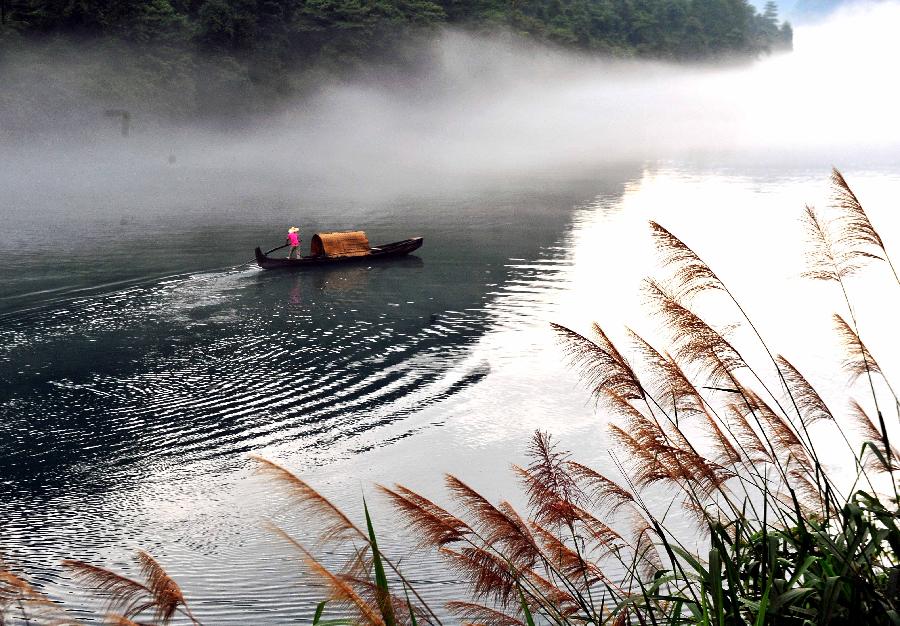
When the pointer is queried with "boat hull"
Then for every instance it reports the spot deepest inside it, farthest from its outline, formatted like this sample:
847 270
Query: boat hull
378 253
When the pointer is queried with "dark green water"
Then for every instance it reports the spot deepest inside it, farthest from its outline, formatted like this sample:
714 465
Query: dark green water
142 354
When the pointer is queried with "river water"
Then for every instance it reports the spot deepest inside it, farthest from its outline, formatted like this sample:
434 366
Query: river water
143 359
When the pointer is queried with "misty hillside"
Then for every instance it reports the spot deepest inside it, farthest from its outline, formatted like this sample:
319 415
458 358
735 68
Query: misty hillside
231 58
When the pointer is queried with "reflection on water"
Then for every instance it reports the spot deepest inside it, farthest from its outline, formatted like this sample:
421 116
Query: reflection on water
126 415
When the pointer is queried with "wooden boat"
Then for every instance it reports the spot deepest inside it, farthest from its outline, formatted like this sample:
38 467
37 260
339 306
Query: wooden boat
350 246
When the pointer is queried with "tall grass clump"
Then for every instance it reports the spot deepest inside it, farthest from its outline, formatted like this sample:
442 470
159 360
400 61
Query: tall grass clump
732 448
728 505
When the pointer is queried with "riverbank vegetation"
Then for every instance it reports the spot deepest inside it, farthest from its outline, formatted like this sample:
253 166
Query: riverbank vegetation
231 58
730 503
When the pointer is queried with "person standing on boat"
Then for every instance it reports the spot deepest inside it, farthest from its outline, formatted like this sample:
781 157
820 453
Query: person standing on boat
293 240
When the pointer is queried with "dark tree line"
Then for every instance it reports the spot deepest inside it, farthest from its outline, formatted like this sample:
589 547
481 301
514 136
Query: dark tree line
262 46
295 30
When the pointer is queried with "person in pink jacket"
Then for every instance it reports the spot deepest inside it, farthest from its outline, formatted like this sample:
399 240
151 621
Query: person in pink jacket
293 240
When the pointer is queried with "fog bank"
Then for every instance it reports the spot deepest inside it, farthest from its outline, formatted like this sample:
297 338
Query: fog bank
495 107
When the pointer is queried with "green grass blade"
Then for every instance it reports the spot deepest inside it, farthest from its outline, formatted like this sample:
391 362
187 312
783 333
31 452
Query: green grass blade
381 583
715 581
529 620
320 608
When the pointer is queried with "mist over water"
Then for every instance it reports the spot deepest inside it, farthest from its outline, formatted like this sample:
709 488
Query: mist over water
486 107
142 358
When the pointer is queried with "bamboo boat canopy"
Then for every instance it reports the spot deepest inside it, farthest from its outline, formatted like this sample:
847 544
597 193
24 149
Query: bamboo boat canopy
341 243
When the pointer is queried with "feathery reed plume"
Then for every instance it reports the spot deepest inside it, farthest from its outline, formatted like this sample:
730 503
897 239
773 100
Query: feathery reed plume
646 554
495 526
701 512
604 537
726 453
564 603
604 493
435 525
779 429
855 231
599 363
564 559
472 614
694 340
653 461
124 595
810 494
660 455
668 382
690 273
646 430
12 587
871 433
646 463
552 491
18 592
824 260
340 590
858 361
750 441
165 591
338 526
527 538
622 618
809 402
673 390
489 575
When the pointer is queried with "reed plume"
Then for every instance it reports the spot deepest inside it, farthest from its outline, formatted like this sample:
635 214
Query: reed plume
809 402
688 271
855 233
129 598
603 492
824 260
340 590
435 526
875 435
750 440
694 341
162 587
667 456
336 527
727 453
667 382
125 595
646 553
17 595
496 527
490 576
120 620
603 536
553 493
565 559
858 361
782 437
600 364
564 603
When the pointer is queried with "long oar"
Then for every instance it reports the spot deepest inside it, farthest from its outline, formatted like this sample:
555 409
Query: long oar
274 249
